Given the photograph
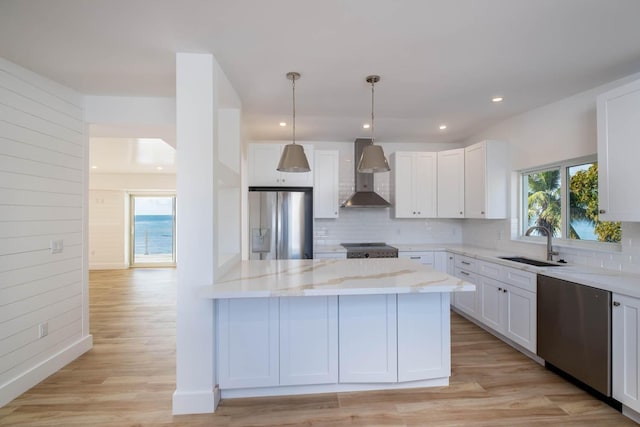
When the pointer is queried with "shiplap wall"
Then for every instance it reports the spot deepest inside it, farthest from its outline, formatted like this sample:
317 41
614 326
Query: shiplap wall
107 249
42 198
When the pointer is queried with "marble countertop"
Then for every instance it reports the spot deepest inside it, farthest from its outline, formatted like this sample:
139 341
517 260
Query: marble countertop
279 278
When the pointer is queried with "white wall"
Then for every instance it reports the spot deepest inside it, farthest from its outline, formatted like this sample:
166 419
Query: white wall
109 214
43 171
559 131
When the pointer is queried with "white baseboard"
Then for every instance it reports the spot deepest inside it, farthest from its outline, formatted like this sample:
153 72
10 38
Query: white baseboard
38 373
630 413
195 402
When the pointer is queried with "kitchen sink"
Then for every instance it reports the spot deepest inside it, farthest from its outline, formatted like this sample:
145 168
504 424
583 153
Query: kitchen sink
530 261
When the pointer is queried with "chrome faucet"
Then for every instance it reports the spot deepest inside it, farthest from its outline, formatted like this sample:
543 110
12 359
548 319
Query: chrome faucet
549 234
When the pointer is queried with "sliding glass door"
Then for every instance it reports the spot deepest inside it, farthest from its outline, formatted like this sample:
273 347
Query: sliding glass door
153 220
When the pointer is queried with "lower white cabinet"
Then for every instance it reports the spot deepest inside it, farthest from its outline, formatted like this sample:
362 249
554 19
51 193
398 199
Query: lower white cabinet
368 339
436 259
626 350
248 349
329 255
504 300
508 310
308 340
424 337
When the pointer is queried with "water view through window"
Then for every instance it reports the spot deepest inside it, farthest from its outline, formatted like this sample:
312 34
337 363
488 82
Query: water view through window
153 233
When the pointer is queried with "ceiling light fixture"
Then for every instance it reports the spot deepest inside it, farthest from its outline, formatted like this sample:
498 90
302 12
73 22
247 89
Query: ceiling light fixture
293 158
94 167
366 126
283 124
496 99
443 127
373 159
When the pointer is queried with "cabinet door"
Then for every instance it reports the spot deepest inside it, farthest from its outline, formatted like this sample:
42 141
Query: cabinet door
451 183
440 261
404 185
520 316
618 149
424 258
425 185
368 338
491 311
248 342
423 336
325 191
474 180
626 350
329 255
263 161
308 340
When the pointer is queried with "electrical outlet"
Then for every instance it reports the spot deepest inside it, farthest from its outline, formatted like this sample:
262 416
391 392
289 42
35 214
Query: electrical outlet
43 329
56 246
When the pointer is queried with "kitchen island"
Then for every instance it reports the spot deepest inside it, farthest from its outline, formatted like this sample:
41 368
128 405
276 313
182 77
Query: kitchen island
312 326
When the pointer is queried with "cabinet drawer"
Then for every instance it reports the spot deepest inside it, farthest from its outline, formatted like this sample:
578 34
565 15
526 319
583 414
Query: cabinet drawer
421 257
490 270
466 263
519 278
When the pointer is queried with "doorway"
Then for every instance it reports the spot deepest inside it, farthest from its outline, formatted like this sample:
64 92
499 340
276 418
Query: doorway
153 230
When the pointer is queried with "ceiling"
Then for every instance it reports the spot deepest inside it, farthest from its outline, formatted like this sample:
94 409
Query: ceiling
441 61
131 155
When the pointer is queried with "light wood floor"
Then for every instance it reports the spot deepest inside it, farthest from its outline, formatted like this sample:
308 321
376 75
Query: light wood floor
129 376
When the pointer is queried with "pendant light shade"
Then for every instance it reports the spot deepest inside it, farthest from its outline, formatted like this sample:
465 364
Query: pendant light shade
373 159
293 158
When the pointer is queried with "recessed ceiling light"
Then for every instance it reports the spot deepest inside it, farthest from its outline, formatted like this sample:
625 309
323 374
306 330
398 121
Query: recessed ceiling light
94 167
366 126
159 168
283 124
496 99
443 127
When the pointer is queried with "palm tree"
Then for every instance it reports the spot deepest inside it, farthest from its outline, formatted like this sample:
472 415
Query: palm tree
543 199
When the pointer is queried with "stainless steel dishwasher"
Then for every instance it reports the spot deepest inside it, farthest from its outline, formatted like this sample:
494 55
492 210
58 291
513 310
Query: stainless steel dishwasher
574 331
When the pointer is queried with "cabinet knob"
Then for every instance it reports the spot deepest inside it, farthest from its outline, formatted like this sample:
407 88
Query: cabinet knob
481 212
616 304
504 290
499 289
414 212
602 211
460 212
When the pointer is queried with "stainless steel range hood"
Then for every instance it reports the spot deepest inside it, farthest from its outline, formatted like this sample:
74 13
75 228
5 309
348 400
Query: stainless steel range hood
364 197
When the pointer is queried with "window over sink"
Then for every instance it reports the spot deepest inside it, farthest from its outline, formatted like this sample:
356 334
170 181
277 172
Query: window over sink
564 199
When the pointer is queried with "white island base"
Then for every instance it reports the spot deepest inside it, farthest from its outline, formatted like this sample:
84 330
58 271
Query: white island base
359 338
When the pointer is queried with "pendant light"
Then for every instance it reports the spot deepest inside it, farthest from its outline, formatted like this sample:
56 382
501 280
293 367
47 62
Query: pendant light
373 159
293 158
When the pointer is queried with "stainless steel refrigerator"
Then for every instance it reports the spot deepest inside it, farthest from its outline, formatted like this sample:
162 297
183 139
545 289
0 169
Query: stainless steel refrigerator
280 223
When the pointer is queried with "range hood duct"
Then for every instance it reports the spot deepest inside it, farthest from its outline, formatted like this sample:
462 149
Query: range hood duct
364 197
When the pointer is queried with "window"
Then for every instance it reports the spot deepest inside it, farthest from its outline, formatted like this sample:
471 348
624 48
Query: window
564 199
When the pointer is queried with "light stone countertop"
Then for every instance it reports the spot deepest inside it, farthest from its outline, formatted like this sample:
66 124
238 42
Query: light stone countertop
278 278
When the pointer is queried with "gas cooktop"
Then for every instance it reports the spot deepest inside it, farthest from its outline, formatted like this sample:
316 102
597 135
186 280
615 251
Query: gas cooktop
370 250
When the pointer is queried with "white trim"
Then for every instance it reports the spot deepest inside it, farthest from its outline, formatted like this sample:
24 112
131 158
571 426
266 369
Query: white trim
630 413
195 402
329 388
38 373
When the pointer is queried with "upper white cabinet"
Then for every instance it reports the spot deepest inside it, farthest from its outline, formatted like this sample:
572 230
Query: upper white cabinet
415 183
625 351
485 180
451 183
325 192
263 160
618 151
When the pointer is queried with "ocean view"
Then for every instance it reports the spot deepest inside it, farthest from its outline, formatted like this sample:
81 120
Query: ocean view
159 232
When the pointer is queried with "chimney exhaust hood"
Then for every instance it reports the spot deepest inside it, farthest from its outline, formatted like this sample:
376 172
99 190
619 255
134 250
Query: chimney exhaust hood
364 197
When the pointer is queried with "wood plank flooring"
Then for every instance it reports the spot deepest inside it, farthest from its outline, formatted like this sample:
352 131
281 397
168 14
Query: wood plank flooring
128 378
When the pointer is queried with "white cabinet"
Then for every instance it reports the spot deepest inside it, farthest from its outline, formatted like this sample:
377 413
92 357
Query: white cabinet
248 342
423 336
415 183
504 300
509 310
441 261
625 350
424 258
618 151
485 180
465 269
308 340
263 160
368 339
329 255
451 183
325 192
